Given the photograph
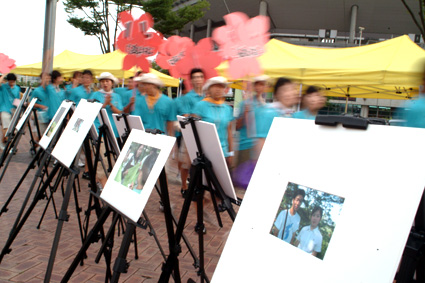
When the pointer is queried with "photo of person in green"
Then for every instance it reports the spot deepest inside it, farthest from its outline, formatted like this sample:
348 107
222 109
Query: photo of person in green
136 166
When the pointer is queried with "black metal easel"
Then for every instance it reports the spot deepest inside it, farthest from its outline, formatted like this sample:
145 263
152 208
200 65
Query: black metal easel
196 188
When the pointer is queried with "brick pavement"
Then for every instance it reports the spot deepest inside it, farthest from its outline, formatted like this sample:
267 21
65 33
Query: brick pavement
31 249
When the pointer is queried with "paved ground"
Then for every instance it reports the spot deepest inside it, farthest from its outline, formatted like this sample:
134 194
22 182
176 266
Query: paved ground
30 251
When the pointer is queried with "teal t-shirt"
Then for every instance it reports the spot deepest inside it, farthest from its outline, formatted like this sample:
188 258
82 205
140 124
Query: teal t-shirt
304 114
246 142
116 101
157 117
189 101
125 94
415 115
219 114
79 93
8 94
265 119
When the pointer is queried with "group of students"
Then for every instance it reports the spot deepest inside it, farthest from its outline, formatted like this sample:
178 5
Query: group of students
287 223
143 97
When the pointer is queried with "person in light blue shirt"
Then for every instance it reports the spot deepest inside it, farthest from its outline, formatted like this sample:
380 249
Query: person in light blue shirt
8 93
312 101
126 92
189 101
55 95
111 100
83 91
76 80
288 220
213 109
247 120
154 108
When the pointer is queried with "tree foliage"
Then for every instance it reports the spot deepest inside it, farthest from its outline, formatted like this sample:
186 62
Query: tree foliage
99 17
418 19
312 199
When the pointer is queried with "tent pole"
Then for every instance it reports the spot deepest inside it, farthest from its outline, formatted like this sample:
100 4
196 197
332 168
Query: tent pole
346 104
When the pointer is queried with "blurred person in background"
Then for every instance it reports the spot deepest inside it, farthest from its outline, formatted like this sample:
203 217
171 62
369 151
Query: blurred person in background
246 122
9 91
414 116
155 108
85 90
311 102
213 109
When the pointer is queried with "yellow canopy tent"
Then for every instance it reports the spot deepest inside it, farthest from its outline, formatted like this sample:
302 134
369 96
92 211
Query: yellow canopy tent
68 62
390 69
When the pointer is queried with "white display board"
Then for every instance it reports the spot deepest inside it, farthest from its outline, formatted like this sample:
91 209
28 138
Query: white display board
76 131
26 114
55 124
380 180
103 118
17 113
134 122
136 171
212 149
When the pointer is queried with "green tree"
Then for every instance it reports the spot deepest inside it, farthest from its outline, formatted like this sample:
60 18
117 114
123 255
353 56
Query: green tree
99 17
418 19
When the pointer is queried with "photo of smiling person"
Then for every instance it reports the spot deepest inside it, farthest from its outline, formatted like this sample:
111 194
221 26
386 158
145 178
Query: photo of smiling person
288 220
310 239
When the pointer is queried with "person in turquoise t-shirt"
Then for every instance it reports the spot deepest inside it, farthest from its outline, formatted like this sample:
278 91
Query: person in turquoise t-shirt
126 92
185 106
8 93
189 101
83 91
213 109
312 101
76 80
246 122
55 94
154 108
111 100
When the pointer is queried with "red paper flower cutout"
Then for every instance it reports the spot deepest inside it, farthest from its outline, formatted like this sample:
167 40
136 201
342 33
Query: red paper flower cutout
171 52
137 41
242 41
6 64
200 56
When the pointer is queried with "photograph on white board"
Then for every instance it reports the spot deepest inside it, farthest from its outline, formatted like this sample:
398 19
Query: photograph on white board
55 122
54 125
136 166
26 114
75 132
77 125
306 219
136 172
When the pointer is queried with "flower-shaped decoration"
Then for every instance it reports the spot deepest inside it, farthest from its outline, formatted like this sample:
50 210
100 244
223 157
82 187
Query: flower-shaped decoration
242 41
171 52
200 56
6 64
137 40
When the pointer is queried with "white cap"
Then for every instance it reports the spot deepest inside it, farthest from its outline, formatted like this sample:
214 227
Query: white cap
215 81
262 78
149 78
107 76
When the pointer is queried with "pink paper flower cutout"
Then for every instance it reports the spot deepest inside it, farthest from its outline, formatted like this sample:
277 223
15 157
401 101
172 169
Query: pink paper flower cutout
200 56
137 41
171 52
6 64
242 41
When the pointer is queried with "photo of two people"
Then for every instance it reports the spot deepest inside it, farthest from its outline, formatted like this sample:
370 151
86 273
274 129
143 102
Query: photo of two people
306 219
136 166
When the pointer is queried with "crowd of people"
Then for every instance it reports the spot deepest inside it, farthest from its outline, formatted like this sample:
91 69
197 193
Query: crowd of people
142 96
